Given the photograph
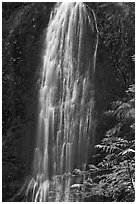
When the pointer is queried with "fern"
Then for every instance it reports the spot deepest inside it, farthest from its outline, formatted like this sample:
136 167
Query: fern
113 178
118 147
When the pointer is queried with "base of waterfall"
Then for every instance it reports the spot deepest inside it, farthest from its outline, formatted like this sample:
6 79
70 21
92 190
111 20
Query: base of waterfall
62 188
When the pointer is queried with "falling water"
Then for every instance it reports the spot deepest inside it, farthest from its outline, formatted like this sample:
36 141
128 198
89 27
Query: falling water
66 101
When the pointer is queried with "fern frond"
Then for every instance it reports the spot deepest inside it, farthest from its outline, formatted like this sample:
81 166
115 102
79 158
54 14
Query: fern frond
114 131
127 151
109 148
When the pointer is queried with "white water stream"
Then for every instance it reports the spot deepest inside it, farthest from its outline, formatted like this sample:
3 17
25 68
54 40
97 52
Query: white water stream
66 101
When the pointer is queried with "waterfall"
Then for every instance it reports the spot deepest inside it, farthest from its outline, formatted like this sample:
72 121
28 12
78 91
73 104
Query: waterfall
66 102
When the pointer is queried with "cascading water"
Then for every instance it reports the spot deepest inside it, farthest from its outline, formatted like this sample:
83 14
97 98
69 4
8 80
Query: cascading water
66 101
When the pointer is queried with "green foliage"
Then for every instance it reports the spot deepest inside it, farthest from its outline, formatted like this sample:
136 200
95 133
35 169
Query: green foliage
119 146
113 178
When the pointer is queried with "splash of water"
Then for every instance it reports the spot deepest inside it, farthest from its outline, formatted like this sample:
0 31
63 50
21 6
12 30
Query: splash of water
66 101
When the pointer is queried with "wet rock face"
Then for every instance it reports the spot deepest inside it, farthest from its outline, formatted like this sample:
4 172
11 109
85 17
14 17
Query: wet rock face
23 25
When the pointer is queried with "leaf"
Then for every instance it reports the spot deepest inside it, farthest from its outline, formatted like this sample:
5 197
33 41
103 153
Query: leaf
128 151
93 167
77 185
77 171
133 126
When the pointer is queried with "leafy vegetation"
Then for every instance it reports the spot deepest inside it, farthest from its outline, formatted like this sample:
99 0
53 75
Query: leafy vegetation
119 147
113 178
